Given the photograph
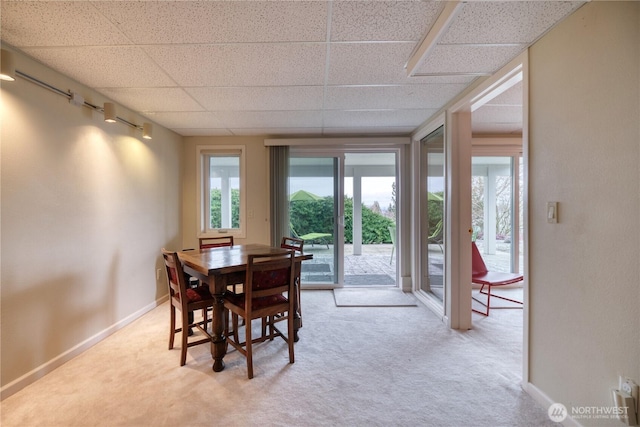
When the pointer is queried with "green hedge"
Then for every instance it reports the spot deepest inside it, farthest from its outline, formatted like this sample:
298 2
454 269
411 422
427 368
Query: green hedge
315 216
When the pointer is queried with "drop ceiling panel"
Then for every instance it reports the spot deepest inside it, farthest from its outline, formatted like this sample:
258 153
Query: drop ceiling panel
379 119
498 114
360 63
179 22
259 98
368 130
279 67
299 132
270 119
382 20
477 58
104 66
185 120
242 64
153 99
203 132
496 129
68 23
387 97
506 21
512 96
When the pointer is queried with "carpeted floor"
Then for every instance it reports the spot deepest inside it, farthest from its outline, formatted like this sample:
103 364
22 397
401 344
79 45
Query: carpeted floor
373 297
369 366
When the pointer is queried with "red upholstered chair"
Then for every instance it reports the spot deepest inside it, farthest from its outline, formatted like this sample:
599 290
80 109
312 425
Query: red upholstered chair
269 277
296 245
186 300
481 276
215 242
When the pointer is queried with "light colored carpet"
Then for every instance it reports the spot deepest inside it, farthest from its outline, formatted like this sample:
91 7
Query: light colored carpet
373 366
373 297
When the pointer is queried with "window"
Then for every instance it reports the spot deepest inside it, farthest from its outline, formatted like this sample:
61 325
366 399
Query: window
220 185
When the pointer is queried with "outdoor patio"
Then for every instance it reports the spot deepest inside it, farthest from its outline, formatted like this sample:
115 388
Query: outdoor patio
375 266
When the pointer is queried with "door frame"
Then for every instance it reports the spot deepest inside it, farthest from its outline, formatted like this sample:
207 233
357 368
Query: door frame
402 213
457 119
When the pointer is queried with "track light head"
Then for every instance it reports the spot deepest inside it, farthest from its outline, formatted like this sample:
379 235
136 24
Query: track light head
8 67
109 112
147 130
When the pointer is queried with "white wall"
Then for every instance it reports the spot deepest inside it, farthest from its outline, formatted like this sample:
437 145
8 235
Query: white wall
585 154
86 208
257 164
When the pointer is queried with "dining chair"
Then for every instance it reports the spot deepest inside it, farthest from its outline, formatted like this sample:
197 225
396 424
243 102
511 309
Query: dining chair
480 275
215 242
186 300
296 245
269 287
218 242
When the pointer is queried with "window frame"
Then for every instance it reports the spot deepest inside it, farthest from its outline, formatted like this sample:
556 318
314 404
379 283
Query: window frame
203 208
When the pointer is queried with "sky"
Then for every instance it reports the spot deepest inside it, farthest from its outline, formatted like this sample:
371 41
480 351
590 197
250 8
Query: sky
373 188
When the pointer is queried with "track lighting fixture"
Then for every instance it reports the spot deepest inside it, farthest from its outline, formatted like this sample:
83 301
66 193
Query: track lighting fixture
8 68
109 112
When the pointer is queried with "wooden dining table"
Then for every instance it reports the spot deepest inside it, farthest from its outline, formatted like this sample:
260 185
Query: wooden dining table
223 266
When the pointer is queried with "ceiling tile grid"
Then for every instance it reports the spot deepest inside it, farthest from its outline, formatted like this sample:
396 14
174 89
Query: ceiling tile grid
154 99
260 98
57 23
244 64
391 97
382 20
493 22
280 67
199 22
104 66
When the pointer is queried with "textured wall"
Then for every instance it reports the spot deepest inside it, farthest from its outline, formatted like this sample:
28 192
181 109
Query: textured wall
584 153
86 207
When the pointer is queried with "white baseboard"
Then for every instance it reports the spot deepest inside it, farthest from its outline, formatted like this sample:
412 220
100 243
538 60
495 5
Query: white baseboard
42 370
544 400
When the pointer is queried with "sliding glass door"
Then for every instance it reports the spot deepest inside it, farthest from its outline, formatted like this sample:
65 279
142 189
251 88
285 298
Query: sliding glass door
315 212
343 205
433 199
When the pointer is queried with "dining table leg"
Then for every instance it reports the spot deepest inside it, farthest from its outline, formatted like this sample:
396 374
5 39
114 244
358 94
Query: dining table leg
219 342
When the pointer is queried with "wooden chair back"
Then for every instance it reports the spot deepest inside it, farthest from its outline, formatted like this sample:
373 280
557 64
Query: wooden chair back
185 299
215 242
268 278
292 243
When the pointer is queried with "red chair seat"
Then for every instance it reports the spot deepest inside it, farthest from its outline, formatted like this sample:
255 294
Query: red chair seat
495 278
480 275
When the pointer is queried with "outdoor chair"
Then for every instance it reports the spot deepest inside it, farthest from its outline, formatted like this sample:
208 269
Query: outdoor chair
312 237
269 277
436 236
481 276
186 300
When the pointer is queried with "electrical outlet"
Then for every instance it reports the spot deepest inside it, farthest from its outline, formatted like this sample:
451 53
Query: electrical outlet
630 388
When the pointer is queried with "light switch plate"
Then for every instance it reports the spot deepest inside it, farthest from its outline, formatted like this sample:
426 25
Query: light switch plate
552 212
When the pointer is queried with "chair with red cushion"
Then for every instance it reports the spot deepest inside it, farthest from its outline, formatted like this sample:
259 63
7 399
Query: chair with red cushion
269 277
215 242
186 300
481 276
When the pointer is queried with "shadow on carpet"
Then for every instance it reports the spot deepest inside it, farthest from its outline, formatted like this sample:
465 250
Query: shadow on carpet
373 297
